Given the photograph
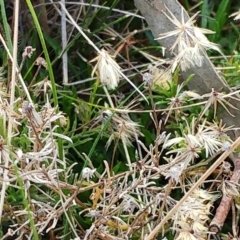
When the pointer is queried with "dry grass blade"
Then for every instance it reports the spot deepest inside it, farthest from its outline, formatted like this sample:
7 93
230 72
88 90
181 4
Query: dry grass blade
12 98
95 161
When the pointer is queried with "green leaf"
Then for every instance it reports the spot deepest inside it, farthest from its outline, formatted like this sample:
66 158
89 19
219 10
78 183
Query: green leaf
219 20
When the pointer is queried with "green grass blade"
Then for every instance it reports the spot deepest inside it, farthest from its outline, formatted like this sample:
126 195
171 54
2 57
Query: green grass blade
220 20
50 70
205 12
6 27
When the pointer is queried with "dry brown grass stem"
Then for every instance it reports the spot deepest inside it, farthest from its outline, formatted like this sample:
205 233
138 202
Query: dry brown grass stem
12 98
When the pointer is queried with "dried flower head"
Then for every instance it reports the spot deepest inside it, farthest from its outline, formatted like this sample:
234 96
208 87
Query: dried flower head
43 86
87 173
28 51
130 204
188 57
226 146
160 76
51 115
174 172
41 62
215 98
191 217
176 102
29 111
190 44
236 14
226 166
121 127
10 232
148 79
108 70
230 188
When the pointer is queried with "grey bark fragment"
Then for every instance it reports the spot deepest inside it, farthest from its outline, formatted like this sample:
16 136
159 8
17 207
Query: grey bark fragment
205 78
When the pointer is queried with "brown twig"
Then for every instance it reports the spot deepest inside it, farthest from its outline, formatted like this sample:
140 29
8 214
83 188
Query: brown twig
226 202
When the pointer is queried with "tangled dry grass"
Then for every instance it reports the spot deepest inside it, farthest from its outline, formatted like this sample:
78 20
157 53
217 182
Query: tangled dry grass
153 160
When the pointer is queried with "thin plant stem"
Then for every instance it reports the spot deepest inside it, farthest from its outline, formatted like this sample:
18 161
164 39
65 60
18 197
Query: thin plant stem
6 27
12 96
108 97
64 44
127 156
17 70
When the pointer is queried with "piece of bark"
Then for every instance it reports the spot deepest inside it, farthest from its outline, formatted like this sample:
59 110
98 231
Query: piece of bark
205 77
226 202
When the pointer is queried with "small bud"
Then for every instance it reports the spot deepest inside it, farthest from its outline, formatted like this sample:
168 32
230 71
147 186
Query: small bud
87 173
108 70
28 51
41 61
